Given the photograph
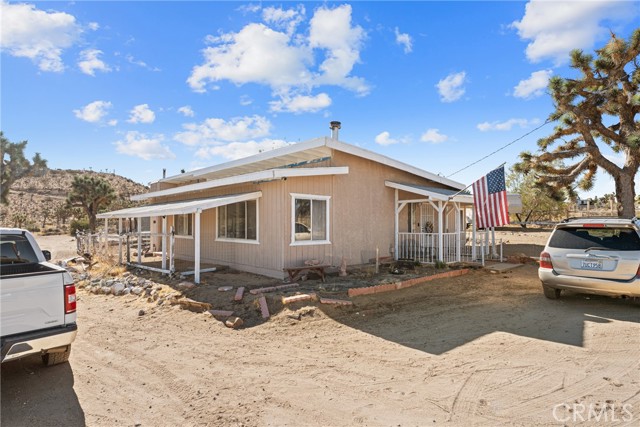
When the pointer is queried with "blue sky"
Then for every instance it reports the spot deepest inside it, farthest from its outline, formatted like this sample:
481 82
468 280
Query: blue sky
136 87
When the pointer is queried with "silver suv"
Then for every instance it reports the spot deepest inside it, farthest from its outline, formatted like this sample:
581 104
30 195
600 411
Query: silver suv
592 255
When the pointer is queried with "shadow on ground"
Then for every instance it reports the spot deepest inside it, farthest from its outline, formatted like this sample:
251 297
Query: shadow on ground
35 395
442 315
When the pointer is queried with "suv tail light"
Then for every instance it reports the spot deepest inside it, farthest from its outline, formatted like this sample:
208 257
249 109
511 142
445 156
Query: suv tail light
69 298
545 260
638 273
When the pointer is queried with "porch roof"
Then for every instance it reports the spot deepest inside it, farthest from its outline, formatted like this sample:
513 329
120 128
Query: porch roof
440 194
182 207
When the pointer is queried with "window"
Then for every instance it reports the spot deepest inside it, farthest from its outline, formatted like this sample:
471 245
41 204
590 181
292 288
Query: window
310 219
183 224
238 221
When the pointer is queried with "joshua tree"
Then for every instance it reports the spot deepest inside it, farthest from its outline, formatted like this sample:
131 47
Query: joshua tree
15 165
91 194
596 110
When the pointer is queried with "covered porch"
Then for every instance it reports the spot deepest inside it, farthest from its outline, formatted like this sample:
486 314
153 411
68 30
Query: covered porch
167 234
436 225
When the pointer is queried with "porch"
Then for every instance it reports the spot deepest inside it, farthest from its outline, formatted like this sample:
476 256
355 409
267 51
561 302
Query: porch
434 225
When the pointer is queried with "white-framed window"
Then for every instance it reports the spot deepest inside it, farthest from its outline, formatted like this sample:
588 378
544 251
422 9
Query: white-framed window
183 224
238 221
310 219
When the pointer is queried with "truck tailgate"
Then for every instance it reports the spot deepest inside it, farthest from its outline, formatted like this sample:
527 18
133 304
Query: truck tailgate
31 304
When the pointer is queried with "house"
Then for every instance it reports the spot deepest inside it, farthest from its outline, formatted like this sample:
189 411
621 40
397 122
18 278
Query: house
322 200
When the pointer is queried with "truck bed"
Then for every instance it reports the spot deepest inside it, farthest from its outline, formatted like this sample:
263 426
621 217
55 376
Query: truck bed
7 270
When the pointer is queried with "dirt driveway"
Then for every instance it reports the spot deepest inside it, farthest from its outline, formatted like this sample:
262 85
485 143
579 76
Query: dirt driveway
481 349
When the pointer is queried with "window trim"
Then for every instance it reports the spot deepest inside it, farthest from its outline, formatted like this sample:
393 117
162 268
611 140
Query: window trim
298 196
235 240
175 228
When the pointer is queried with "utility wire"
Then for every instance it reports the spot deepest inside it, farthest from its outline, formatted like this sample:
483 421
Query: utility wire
501 148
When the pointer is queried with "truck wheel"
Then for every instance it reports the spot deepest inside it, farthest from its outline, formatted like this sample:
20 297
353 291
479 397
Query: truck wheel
551 293
50 359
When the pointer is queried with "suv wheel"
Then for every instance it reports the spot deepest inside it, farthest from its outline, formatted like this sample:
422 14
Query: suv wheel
551 293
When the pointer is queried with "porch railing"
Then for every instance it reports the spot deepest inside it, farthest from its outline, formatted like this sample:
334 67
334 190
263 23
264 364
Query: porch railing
424 247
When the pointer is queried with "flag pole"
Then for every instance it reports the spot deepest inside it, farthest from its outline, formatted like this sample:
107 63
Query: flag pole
454 195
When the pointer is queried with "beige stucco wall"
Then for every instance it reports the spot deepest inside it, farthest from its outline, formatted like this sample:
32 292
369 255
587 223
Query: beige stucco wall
361 219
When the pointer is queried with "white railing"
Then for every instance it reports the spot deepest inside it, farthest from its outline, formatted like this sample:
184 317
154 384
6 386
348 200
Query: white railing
456 247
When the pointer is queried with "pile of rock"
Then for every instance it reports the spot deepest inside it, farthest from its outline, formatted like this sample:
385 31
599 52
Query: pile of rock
128 284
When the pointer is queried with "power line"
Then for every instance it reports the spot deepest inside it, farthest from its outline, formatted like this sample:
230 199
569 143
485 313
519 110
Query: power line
501 148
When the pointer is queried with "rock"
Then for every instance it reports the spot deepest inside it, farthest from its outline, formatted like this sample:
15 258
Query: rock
126 291
186 285
234 322
191 305
106 290
141 313
117 288
225 288
137 290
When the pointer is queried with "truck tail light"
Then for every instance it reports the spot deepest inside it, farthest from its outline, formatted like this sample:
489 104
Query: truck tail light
638 273
545 260
69 298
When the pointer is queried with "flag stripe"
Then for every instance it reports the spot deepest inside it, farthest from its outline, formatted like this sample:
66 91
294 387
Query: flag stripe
490 200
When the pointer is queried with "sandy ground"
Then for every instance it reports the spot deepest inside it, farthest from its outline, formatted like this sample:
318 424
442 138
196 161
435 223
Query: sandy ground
481 349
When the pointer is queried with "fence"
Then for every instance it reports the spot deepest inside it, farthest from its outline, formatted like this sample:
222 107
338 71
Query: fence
463 246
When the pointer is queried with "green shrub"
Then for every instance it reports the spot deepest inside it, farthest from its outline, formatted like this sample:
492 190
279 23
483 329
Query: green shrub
78 225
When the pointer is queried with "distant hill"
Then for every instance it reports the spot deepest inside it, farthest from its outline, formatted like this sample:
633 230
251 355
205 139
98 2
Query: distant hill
35 201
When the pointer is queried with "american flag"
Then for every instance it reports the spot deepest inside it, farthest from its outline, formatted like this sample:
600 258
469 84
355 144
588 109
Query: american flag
490 200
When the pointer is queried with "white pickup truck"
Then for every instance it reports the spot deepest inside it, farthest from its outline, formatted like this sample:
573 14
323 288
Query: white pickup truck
37 301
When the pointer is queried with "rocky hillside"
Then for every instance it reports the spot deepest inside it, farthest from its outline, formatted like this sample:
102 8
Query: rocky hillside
37 202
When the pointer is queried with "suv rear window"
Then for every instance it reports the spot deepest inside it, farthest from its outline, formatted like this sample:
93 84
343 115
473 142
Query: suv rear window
619 239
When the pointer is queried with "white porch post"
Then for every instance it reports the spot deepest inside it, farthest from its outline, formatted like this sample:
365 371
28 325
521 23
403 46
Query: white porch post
120 240
172 245
139 240
396 225
458 232
105 234
440 236
473 232
164 242
196 239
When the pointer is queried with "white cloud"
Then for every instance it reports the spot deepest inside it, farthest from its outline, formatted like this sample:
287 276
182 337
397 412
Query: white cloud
112 122
245 100
141 114
404 40
214 131
331 29
433 136
554 28
506 125
451 87
93 26
186 111
130 59
284 60
93 112
534 86
239 150
146 147
287 19
38 35
256 54
384 138
301 103
90 62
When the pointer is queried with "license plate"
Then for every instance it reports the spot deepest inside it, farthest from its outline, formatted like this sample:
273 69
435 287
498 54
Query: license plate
592 265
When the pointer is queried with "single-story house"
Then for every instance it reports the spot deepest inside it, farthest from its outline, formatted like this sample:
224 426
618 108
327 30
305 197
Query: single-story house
322 200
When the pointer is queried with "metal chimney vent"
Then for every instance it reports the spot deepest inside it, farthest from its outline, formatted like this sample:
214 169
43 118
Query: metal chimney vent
334 126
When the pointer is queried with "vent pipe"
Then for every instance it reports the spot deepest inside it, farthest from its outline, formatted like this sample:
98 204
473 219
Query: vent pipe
334 126
164 173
